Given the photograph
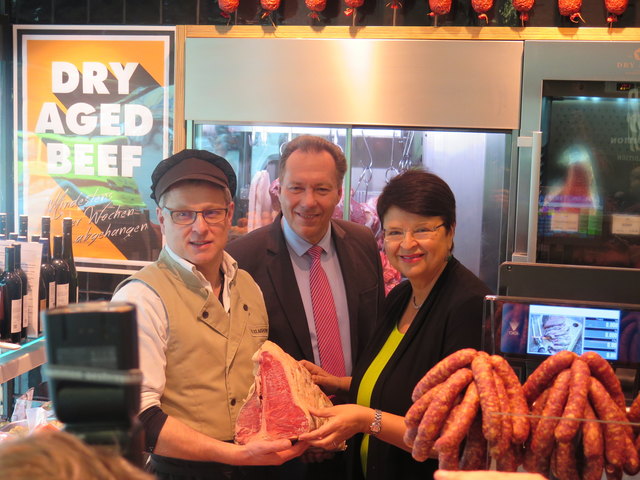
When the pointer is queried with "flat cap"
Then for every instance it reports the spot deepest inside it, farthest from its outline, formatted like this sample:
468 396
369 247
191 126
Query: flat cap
190 164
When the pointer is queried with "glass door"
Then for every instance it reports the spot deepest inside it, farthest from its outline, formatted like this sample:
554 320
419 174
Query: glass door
589 207
474 163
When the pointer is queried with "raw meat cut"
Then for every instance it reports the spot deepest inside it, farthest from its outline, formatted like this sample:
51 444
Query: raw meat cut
278 402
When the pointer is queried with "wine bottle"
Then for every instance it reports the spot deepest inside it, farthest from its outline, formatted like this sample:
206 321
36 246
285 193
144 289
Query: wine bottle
62 273
42 292
12 295
26 290
45 227
67 254
23 226
4 226
45 230
48 272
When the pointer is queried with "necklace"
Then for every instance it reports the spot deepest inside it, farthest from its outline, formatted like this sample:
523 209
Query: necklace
416 305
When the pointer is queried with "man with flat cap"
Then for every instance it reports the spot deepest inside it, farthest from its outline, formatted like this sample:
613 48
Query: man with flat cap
200 319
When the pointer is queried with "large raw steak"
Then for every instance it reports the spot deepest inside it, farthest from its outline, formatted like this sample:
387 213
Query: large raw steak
278 402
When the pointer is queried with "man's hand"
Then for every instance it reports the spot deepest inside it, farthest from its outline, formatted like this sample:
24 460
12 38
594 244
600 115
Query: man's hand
268 452
316 455
330 384
344 422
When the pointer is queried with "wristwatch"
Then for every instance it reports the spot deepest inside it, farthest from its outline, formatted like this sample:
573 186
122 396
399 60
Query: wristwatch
376 425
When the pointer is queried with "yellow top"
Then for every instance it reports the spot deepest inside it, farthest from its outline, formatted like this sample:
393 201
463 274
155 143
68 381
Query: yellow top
369 380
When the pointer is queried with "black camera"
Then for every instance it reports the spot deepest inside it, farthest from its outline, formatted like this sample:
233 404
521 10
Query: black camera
93 373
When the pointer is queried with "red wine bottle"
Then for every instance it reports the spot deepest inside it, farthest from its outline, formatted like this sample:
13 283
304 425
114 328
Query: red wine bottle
45 231
11 328
62 273
26 290
67 254
42 294
4 227
23 226
48 273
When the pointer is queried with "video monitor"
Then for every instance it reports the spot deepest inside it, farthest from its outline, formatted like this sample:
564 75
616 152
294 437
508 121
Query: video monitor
589 203
534 328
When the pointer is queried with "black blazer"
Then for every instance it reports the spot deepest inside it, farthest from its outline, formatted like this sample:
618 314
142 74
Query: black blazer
264 254
449 320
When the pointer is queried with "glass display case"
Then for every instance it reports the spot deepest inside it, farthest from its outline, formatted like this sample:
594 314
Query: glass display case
474 163
589 206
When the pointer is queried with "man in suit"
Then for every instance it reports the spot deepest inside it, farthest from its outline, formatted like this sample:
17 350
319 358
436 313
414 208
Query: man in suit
276 256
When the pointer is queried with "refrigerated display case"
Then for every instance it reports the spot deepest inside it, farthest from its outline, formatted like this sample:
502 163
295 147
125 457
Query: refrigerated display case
589 207
585 209
448 106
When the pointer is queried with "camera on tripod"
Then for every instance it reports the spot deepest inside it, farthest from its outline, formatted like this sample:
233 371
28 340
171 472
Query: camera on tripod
93 373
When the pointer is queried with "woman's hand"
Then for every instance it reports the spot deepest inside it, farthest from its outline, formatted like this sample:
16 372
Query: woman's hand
344 422
330 384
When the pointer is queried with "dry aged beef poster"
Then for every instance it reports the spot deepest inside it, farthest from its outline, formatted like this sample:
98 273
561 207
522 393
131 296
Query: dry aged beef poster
93 119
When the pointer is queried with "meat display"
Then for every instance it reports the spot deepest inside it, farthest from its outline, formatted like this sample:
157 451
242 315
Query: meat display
278 402
568 421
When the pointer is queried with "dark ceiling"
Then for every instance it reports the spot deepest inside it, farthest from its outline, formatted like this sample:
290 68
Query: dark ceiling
545 13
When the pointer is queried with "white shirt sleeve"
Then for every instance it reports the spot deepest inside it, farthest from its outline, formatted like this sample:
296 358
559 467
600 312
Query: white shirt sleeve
153 334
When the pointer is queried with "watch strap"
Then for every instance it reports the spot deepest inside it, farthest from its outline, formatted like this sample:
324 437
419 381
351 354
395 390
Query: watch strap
376 425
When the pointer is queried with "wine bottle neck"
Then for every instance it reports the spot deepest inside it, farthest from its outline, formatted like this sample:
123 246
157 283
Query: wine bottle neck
57 247
9 259
46 255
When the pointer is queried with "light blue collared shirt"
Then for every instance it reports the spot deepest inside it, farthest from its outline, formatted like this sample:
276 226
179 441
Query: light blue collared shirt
301 265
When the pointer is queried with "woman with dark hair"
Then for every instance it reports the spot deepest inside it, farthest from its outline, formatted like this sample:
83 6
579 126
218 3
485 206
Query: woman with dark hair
436 311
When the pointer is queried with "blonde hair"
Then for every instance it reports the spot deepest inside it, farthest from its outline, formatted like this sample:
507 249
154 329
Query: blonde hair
56 455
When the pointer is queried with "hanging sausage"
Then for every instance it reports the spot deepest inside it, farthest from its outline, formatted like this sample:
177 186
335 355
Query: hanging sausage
352 6
316 6
571 9
615 8
439 7
228 7
523 7
481 7
268 7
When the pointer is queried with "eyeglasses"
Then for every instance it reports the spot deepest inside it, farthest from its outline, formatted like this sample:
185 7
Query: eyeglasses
187 217
395 235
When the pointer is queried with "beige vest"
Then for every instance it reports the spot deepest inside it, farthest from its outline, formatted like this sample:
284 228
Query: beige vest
209 368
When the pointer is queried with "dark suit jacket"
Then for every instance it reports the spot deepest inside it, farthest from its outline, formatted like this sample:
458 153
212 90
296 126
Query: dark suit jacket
264 254
450 319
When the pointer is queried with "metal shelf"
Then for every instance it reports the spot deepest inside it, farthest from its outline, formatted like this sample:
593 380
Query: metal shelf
14 363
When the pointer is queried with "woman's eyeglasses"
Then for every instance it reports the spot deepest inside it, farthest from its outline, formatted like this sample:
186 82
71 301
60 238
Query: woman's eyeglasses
395 235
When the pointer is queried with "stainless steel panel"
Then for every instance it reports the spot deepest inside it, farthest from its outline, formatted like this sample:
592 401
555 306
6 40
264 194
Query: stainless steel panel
562 60
428 83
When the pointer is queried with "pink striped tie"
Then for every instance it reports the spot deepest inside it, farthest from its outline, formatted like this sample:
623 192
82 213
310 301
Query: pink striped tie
325 317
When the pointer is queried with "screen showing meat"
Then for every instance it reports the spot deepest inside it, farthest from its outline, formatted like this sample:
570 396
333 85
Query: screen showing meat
554 328
528 327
